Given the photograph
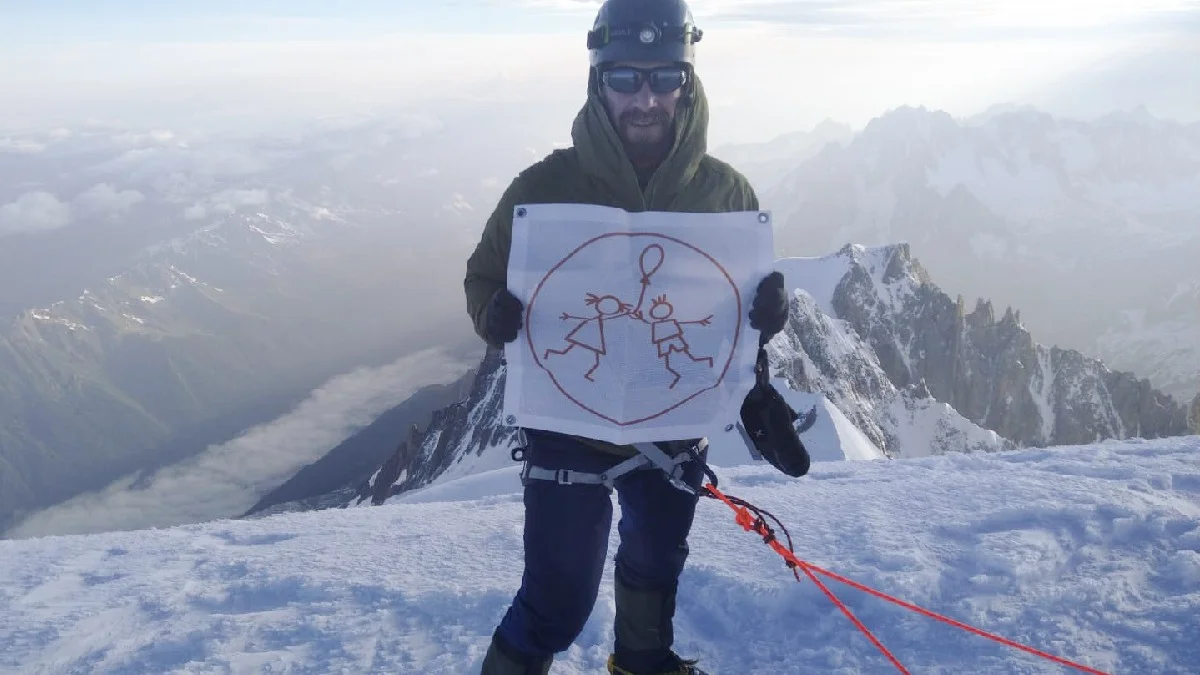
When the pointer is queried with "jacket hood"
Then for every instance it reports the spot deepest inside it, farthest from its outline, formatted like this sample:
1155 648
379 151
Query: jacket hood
601 153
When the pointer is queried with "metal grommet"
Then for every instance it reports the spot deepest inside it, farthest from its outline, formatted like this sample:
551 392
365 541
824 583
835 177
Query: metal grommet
510 420
521 212
763 217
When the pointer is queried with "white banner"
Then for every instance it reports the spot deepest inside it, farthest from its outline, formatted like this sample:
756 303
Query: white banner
636 325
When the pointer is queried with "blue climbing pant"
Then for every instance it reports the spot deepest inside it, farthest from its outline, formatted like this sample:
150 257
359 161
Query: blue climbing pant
566 544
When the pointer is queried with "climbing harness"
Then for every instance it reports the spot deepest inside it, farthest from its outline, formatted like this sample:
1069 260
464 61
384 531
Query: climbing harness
650 456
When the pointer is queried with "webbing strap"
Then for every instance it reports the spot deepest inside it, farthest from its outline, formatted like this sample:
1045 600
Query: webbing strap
570 477
649 456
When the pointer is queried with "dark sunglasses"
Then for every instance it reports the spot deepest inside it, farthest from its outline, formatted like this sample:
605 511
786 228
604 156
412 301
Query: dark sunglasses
629 80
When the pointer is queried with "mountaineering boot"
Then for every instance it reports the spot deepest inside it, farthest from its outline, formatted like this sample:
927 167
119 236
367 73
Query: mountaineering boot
504 660
644 632
673 666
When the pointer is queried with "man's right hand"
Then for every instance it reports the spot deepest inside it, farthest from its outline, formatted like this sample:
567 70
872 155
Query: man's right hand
504 313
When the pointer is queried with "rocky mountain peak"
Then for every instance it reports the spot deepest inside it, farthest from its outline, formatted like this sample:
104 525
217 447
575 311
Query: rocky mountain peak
993 372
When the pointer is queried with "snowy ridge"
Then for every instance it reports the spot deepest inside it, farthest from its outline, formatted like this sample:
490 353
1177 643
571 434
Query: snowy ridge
131 300
1091 553
990 370
255 238
922 425
822 353
136 301
463 439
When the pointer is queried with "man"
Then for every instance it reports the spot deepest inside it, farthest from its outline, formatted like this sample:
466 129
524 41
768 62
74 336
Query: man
639 143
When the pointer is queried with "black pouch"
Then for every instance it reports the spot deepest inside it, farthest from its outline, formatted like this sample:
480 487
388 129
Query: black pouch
770 424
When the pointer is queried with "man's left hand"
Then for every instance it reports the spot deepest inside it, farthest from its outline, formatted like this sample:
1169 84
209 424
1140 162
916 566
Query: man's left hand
769 312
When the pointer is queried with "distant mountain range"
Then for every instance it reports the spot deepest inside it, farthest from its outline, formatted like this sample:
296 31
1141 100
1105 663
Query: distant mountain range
195 343
1091 228
162 293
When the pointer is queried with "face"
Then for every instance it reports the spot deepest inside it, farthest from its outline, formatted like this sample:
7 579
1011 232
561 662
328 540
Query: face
643 118
660 309
608 305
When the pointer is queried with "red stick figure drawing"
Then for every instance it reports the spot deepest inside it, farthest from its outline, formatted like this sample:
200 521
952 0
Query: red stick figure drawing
589 334
667 334
659 332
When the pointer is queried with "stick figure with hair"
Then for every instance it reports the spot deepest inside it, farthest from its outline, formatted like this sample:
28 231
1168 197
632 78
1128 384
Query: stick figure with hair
589 334
666 333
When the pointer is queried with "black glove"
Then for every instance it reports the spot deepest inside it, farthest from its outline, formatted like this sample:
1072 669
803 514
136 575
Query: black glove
769 312
503 320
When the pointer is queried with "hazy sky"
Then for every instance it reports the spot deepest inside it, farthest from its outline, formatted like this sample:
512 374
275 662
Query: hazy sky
771 65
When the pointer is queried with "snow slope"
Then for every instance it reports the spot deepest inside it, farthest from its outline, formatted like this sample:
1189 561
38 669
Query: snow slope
1089 552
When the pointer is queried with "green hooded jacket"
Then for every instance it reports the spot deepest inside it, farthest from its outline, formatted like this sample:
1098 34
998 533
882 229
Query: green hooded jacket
595 170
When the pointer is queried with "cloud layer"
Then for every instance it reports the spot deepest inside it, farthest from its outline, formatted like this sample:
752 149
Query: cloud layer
33 212
775 65
227 479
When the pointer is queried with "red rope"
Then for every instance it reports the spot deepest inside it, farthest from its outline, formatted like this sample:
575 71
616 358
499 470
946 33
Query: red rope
846 610
759 526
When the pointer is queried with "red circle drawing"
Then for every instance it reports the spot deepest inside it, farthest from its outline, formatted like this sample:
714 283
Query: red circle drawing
649 259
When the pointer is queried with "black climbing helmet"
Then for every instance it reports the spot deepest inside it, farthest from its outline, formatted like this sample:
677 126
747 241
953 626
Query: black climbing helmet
643 30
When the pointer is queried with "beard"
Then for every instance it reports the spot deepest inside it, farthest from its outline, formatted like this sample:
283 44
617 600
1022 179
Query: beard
647 136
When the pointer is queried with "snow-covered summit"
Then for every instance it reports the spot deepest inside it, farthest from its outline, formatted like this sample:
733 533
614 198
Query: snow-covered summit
1090 553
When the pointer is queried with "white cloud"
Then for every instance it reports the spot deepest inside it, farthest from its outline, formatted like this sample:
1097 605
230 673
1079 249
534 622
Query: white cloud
195 212
229 201
102 198
41 211
154 137
226 202
21 146
33 212
227 479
